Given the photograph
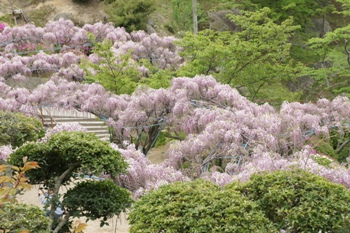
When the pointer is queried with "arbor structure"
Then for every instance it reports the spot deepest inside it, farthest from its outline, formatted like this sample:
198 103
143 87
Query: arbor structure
66 154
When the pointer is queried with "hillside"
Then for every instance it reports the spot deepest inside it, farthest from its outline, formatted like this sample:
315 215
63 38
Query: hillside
45 10
41 11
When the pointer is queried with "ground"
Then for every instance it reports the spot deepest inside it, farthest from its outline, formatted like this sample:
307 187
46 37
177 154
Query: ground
78 13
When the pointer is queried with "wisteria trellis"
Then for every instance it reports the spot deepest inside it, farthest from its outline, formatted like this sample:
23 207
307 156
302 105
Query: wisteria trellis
211 121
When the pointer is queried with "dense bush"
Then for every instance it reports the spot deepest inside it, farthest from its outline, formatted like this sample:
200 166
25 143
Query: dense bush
97 199
132 15
299 201
197 206
18 217
16 129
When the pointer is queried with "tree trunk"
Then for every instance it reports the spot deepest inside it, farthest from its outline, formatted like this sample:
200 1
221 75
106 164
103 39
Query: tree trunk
195 22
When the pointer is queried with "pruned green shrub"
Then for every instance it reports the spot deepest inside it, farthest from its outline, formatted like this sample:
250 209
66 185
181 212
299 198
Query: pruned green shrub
16 129
18 217
96 199
197 206
62 156
298 201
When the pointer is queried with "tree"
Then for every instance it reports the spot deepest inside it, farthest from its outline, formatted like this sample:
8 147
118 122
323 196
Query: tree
217 133
186 15
116 74
68 153
197 206
300 10
195 17
253 60
131 15
122 66
333 61
16 129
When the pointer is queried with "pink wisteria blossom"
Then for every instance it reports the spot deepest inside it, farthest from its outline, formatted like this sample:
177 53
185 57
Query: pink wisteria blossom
5 151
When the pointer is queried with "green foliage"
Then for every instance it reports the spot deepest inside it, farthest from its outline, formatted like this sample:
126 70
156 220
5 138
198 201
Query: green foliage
332 71
96 199
299 201
120 74
161 140
322 160
197 206
345 7
324 147
233 4
116 74
39 16
16 129
340 141
253 59
16 218
64 154
72 152
159 79
132 15
300 10
182 17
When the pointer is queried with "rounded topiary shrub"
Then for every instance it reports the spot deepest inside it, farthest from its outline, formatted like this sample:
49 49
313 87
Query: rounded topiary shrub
298 201
18 217
16 129
197 206
96 199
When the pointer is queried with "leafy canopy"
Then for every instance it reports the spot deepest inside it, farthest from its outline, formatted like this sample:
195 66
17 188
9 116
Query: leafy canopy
65 154
16 129
116 74
21 217
96 199
132 15
299 201
254 59
198 206
69 152
300 10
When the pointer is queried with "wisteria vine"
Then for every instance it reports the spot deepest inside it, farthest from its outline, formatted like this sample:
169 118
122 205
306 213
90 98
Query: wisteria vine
217 133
